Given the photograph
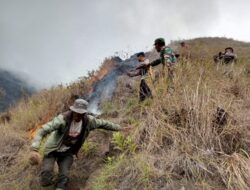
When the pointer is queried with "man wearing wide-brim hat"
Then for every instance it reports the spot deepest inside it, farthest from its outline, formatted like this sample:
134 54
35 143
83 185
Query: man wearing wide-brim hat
68 132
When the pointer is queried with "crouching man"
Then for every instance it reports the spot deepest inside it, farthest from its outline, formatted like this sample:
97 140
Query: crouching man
68 132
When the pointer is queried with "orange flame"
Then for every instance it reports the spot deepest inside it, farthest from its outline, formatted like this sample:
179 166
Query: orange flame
33 130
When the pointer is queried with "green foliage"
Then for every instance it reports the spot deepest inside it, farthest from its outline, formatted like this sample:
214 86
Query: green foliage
139 170
102 181
110 160
123 143
89 148
102 184
146 172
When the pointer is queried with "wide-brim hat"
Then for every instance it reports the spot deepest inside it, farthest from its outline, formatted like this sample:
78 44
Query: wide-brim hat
80 106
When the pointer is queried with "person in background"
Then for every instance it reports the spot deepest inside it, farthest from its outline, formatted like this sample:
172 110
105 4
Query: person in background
227 60
184 52
229 56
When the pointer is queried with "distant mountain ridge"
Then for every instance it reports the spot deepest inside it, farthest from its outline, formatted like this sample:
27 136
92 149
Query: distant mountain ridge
12 89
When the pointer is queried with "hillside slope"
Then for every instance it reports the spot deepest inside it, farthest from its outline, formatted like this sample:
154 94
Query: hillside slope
12 89
197 138
207 47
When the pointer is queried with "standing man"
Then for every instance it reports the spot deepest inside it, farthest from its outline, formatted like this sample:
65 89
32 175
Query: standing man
167 60
145 91
68 131
184 52
228 61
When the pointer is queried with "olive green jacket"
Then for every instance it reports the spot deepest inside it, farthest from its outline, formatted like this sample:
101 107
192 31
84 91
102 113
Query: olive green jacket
59 127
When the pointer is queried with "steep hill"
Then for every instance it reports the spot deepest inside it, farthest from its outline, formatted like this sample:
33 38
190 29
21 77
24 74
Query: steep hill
205 48
197 138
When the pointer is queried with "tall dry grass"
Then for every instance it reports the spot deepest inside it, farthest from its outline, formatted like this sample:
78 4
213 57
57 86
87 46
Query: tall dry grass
30 114
182 140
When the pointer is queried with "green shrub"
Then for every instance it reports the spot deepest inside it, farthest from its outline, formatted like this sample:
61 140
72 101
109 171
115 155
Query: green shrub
122 143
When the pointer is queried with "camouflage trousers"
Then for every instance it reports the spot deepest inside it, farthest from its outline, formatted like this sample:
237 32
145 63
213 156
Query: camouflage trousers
168 76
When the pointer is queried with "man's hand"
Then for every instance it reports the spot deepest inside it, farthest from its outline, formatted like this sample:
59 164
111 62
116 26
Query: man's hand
34 158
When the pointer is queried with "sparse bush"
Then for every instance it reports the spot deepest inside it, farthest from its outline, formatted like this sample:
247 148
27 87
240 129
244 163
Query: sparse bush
181 142
89 149
123 143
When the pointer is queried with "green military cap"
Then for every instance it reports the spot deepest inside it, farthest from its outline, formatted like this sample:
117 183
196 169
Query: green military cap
159 41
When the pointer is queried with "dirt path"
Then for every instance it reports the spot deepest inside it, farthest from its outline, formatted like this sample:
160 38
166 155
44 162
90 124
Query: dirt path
86 167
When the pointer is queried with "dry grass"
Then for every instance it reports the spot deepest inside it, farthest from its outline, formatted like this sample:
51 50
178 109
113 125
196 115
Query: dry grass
184 140
180 141
205 48
30 114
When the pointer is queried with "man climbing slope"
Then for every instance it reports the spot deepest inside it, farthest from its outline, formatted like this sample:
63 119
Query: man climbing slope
68 131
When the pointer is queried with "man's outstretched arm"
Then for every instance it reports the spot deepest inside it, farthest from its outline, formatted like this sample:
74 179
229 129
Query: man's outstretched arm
103 124
146 65
45 130
155 62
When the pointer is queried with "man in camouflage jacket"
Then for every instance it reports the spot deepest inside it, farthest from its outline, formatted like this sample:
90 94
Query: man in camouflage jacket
167 60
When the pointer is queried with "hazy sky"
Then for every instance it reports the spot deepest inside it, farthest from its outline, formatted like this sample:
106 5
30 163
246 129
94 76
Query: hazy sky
57 41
